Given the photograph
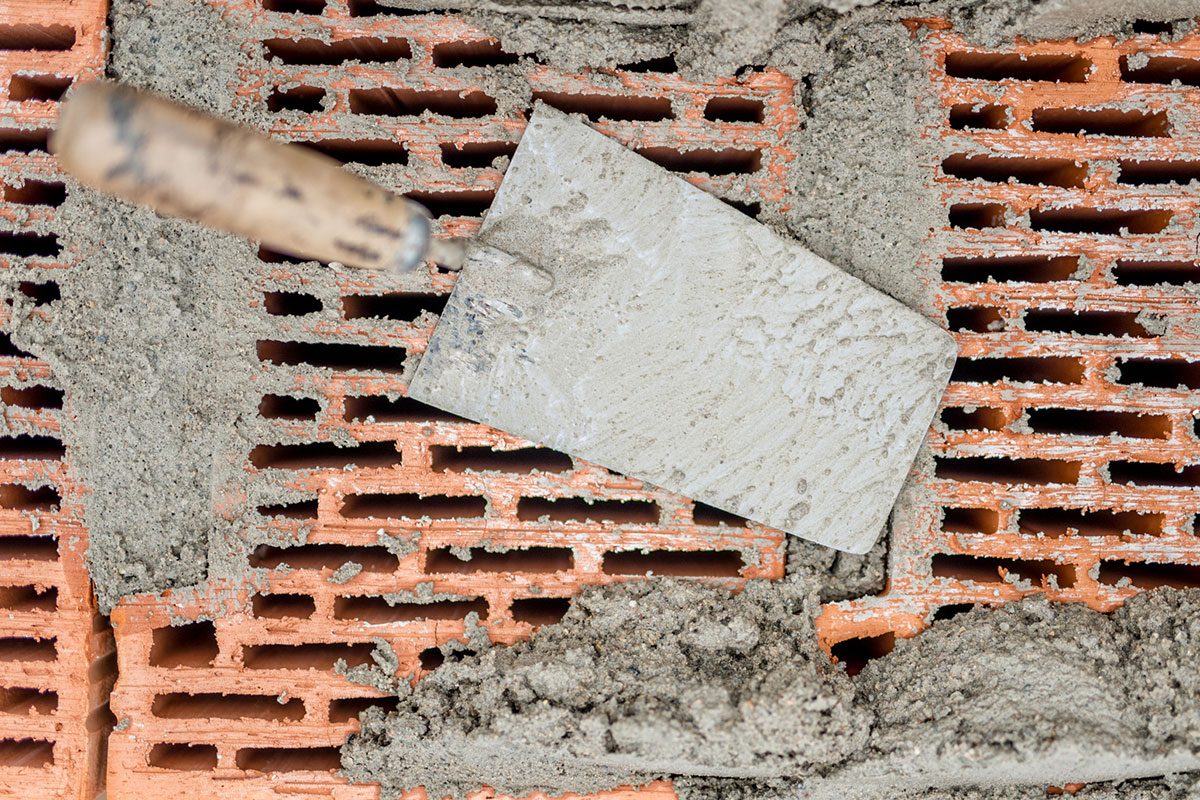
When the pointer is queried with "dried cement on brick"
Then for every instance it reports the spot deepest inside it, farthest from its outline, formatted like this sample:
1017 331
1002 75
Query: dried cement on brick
668 673
662 678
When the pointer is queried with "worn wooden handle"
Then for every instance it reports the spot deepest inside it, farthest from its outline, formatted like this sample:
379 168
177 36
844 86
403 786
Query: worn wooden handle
184 163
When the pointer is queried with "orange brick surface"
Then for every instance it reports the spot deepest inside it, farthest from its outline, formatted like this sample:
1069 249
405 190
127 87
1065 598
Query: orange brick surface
507 531
56 653
1065 456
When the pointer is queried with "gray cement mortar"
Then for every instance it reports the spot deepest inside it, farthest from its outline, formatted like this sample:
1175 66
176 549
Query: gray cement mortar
662 673
667 678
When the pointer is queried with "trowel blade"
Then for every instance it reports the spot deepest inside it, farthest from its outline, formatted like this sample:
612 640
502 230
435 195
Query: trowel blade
642 324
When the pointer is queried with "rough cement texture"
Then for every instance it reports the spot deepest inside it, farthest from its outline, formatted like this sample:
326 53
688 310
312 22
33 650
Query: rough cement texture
640 678
838 575
799 404
668 678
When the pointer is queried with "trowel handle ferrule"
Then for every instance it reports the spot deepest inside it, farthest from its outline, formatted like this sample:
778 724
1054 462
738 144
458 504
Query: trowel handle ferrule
184 163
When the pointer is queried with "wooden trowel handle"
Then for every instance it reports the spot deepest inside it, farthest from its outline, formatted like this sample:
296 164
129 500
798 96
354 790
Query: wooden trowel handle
183 163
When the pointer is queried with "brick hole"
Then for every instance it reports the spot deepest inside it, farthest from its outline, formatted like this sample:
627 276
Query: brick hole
1152 27
9 349
34 397
749 209
664 64
485 459
23 701
1049 369
580 509
1158 173
711 516
379 408
530 559
1164 70
21 498
855 653
485 53
989 570
314 51
970 520
319 656
283 606
431 658
33 448
283 406
387 102
952 610
977 319
1150 576
1062 172
348 357
345 709
29 245
413 506
1085 323
36 193
734 109
539 611
37 37
324 556
291 304
25 648
1058 522
306 99
24 141
294 6
1164 373
729 161
684 563
373 8
28 548
190 645
979 419
977 116
454 204
183 757
1018 66
368 152
40 88
35 753
40 293
325 455
596 107
399 306
1140 473
302 509
476 154
377 610
215 705
977 215
1078 422
28 598
1015 471
1009 269
1104 221
1151 273
1101 122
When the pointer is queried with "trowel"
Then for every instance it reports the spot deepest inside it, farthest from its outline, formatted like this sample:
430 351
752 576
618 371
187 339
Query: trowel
606 308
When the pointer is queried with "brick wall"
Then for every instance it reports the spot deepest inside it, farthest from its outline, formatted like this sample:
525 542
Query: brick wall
56 653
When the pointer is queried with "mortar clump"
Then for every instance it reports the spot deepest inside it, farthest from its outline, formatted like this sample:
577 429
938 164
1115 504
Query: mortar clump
639 680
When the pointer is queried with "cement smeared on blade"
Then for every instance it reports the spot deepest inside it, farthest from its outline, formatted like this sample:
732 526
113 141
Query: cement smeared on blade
679 342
